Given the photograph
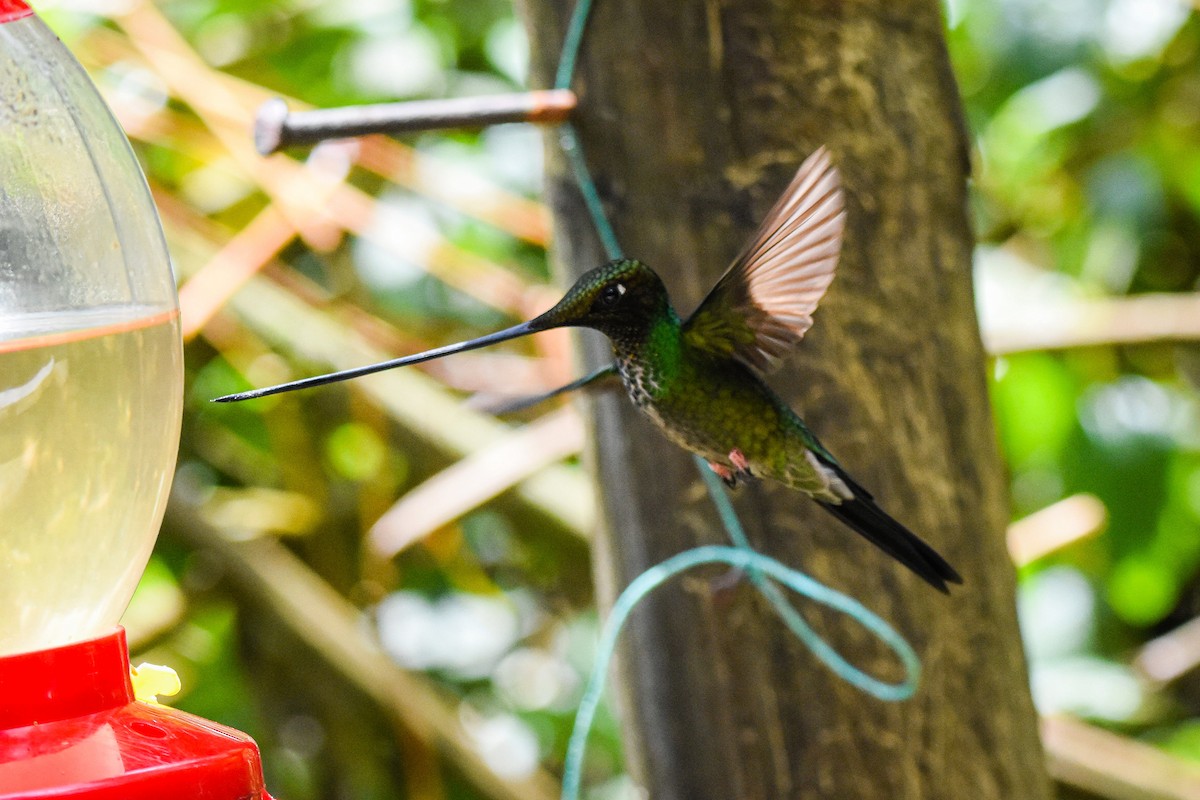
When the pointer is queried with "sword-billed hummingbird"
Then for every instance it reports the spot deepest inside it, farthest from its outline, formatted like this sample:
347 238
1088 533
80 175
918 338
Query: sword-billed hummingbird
698 378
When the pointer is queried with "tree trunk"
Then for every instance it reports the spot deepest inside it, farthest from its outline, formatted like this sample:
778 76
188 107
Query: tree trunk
693 116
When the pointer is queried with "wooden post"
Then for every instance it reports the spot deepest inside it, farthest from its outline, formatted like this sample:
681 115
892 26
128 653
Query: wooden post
693 115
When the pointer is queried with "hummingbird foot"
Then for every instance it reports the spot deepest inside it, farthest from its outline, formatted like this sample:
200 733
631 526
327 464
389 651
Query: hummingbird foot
740 463
740 470
724 473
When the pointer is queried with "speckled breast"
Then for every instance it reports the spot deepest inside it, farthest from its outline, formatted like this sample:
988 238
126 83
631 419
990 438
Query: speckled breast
641 382
645 388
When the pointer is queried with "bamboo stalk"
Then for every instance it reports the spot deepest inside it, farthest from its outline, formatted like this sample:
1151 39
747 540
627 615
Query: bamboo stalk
1114 767
1055 526
1169 657
1141 319
209 289
474 480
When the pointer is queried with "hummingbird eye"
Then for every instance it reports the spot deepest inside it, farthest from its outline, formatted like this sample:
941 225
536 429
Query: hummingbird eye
610 294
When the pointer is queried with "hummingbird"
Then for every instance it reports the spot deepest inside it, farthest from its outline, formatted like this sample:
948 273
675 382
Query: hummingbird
700 379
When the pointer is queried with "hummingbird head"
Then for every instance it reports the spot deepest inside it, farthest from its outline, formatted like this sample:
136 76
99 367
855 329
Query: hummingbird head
621 299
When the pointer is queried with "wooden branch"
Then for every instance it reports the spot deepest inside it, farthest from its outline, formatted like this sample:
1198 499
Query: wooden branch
1114 767
476 479
1055 526
1140 319
276 127
268 577
211 287
1169 657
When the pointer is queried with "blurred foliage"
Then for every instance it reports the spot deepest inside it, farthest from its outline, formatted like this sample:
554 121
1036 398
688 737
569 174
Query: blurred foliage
1086 119
1087 123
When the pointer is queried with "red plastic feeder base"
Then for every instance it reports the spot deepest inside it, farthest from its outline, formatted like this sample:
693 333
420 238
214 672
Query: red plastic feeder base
70 728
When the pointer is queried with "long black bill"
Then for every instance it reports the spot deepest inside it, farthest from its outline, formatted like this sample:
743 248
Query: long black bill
524 329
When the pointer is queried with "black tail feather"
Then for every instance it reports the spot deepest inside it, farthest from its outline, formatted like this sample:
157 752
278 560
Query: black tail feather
873 523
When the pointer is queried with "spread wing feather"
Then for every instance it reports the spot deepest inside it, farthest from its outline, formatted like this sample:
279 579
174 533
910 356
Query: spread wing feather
763 304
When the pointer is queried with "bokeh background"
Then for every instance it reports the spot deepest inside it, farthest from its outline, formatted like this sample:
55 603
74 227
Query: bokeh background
389 588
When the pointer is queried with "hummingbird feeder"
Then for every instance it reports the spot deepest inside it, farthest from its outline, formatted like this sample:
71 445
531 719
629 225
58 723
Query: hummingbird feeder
91 385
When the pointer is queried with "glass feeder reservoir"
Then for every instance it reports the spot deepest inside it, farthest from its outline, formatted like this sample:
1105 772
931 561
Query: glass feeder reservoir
91 385
90 356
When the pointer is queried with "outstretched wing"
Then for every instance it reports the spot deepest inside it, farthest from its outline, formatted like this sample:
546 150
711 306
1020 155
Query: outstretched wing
598 380
763 304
